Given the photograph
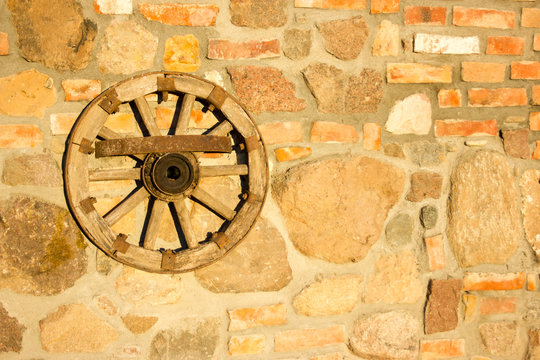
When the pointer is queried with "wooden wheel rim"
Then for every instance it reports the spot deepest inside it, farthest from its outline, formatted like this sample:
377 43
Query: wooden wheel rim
89 128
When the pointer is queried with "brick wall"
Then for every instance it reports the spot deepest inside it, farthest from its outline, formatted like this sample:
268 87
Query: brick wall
403 215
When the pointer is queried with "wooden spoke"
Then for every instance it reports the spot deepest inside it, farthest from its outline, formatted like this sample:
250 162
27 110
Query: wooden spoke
114 174
128 204
213 204
222 129
146 116
223 170
152 228
185 223
107 134
185 113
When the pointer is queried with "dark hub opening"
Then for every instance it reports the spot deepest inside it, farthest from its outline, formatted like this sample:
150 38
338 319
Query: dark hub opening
173 173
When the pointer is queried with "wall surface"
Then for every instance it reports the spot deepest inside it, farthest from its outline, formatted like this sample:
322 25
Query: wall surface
403 216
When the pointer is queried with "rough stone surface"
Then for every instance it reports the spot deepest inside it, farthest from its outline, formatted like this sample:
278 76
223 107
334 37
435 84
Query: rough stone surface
39 255
40 170
425 153
74 328
331 296
516 143
327 84
442 305
395 281
258 13
394 150
399 230
297 43
530 207
11 332
197 340
182 53
411 115
425 184
28 93
126 47
387 41
534 343
392 335
500 338
335 209
53 33
263 89
140 287
428 216
483 180
344 38
258 263
139 324
364 92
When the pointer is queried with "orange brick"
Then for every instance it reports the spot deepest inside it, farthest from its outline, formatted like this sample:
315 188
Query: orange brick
123 123
246 345
536 42
485 18
197 119
425 15
493 281
536 95
126 225
113 7
414 73
20 136
180 14
221 49
247 318
62 123
534 121
4 44
497 97
483 72
292 340
330 132
532 279
372 136
449 98
470 302
281 132
331 4
384 6
465 128
505 45
81 89
292 153
435 251
530 17
536 152
497 305
529 70
442 349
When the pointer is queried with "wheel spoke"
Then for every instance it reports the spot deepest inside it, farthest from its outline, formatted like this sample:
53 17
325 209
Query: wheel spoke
128 204
107 134
185 113
152 228
114 174
146 116
185 223
222 129
213 204
223 170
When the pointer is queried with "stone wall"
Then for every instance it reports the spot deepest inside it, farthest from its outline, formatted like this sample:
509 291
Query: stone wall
403 219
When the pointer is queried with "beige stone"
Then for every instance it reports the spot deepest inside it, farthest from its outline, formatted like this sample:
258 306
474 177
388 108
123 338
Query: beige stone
40 170
139 324
139 287
501 338
411 115
530 207
387 42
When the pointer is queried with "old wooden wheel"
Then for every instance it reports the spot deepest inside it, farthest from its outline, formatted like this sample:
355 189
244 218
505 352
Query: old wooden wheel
168 167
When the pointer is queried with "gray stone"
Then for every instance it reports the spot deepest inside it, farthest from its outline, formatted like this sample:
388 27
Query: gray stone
327 84
39 170
392 335
442 306
426 153
399 230
42 251
483 212
530 207
104 263
53 33
533 310
297 43
344 38
364 92
501 338
258 263
11 332
335 209
196 341
428 216
258 13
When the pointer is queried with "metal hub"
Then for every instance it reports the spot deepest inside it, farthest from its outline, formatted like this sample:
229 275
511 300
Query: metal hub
170 176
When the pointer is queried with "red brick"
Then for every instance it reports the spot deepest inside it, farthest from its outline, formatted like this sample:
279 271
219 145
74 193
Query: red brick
534 121
81 89
292 153
497 97
330 132
529 70
384 6
483 72
4 44
442 349
220 49
414 73
493 281
180 14
465 128
485 18
247 345
435 251
372 136
425 15
20 136
536 95
113 7
449 98
505 45
247 318
331 4
530 17
536 153
293 340
281 132
497 305
536 42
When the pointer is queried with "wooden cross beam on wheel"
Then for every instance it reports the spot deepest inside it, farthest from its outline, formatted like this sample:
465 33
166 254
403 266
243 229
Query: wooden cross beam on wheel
167 172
